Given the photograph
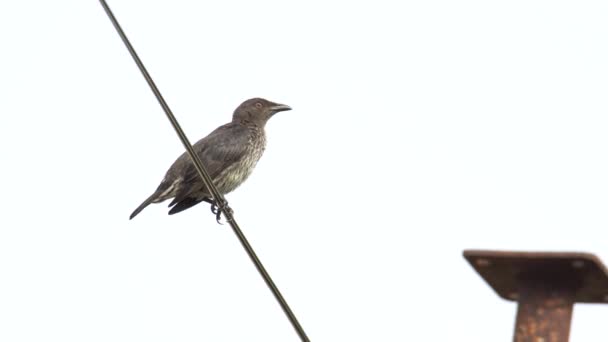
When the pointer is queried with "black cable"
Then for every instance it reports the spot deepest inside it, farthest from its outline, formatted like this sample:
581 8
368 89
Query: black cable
218 197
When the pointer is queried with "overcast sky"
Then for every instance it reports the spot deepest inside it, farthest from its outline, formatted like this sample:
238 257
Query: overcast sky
419 129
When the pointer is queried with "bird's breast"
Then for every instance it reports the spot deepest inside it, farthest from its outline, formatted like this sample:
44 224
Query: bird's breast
238 172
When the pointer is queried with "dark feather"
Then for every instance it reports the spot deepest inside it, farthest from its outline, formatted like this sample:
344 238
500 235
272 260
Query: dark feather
144 205
185 204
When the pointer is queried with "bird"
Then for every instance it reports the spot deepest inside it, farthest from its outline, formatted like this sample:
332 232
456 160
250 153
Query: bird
229 154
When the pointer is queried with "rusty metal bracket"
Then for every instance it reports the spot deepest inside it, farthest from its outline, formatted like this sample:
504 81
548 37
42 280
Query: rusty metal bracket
545 285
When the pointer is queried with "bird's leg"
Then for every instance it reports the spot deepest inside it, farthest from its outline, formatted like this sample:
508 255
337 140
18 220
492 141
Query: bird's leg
208 200
217 208
214 208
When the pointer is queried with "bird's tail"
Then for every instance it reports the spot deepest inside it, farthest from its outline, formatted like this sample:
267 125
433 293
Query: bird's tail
144 205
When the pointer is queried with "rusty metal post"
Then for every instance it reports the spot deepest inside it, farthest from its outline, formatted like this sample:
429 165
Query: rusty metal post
545 286
543 313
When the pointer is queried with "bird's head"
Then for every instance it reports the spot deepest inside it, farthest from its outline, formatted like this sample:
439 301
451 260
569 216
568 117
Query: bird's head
257 111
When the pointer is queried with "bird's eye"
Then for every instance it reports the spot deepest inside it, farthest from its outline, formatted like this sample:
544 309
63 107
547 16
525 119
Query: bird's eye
258 105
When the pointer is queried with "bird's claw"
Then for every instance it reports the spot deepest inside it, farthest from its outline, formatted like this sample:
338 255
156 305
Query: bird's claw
217 210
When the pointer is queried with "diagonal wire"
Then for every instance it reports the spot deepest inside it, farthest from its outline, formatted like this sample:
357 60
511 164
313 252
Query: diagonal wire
218 197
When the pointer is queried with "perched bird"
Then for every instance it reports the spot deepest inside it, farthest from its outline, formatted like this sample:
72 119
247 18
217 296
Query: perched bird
229 154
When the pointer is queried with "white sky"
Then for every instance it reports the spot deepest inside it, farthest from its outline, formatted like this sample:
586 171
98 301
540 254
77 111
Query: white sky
419 129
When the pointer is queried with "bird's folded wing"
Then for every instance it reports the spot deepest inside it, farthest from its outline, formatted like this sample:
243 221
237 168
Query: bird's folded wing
217 151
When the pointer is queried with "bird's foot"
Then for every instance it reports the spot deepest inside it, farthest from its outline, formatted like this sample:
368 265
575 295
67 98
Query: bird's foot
217 209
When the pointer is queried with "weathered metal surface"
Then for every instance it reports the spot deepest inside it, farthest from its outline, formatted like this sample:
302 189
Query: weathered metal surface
545 285
544 313
503 271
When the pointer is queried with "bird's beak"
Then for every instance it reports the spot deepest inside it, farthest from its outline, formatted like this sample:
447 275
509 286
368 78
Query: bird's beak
280 108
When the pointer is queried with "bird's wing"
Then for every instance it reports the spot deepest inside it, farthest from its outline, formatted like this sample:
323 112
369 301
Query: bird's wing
220 149
224 146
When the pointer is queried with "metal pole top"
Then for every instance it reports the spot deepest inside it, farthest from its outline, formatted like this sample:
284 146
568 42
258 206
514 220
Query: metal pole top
546 285
505 272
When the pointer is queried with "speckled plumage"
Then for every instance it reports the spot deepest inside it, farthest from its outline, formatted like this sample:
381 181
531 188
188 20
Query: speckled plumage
229 154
